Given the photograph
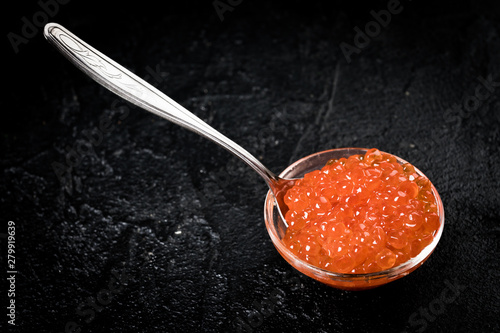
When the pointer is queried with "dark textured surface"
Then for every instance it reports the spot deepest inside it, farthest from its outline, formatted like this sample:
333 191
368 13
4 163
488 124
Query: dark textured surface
154 202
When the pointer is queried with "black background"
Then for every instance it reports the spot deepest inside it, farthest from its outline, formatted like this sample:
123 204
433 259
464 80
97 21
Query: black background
158 205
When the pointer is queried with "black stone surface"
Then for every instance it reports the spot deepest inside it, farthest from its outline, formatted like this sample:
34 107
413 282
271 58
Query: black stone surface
157 206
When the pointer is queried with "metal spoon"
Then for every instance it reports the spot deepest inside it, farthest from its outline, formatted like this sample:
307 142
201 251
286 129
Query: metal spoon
137 91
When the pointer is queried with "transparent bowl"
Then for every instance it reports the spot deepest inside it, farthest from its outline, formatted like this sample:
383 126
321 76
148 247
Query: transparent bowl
277 228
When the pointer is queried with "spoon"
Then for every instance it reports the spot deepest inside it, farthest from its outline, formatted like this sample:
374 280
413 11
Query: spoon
130 87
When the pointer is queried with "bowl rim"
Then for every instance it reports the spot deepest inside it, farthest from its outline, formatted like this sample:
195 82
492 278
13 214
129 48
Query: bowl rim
269 206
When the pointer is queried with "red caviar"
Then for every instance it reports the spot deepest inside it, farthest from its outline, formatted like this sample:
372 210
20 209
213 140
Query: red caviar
361 214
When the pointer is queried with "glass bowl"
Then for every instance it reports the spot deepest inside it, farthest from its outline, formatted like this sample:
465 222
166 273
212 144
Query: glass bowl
277 228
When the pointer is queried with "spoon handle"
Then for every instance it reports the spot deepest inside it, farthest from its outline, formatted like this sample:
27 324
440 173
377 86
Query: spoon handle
137 91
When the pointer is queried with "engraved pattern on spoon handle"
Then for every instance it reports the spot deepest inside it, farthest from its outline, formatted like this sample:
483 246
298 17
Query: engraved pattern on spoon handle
137 91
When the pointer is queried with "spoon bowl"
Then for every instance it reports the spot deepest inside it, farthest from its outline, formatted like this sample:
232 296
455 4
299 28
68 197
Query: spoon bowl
277 227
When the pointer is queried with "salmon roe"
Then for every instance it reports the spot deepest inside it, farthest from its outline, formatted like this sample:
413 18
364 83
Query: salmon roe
361 214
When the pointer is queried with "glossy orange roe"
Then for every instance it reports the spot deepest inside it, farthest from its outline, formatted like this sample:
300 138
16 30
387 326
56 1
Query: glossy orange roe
362 214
